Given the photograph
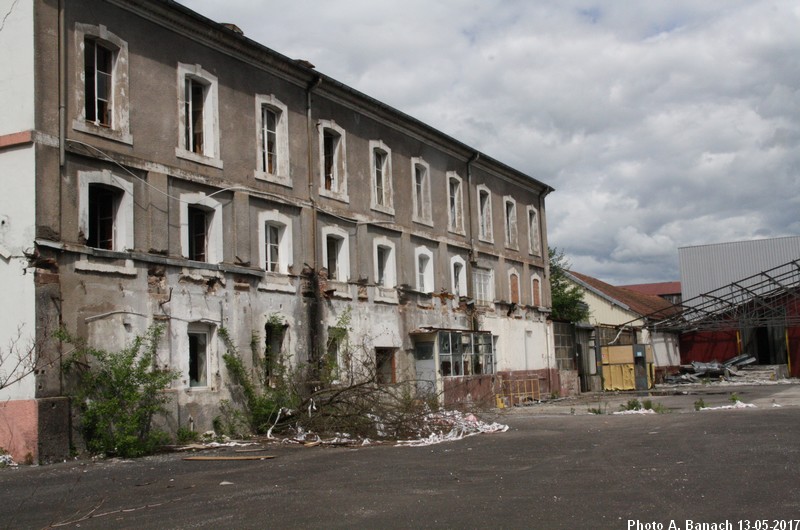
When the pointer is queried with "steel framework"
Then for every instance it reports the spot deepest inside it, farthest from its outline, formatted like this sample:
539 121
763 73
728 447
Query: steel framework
769 298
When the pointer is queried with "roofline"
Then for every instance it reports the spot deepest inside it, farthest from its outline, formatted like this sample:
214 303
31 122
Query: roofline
598 292
306 75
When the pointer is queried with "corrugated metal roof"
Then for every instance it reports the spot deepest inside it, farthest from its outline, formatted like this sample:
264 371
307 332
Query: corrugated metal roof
705 268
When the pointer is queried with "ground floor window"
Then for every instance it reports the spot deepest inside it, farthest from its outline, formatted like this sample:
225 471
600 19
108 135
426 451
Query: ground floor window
198 359
465 353
385 366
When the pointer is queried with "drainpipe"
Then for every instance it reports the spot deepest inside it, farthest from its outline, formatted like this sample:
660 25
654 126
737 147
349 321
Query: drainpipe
472 252
62 84
315 327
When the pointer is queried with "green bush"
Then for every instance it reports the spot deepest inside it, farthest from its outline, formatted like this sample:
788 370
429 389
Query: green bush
119 393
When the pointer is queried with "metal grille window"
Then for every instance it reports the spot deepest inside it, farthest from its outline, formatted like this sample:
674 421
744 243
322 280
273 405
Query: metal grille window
564 338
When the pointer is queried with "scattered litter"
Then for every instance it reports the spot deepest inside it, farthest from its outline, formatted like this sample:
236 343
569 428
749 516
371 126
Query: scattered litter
226 483
737 405
6 460
637 411
222 458
453 425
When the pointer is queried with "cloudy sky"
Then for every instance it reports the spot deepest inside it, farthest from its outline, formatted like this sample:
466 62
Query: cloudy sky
661 124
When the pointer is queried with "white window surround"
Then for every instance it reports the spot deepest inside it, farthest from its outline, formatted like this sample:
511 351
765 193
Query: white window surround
210 364
338 189
123 220
458 284
120 121
424 276
510 217
485 232
421 200
455 203
534 238
389 268
281 173
285 249
214 233
387 205
343 256
211 142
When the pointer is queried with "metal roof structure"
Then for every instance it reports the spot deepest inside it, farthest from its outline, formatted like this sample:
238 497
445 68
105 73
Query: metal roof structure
758 300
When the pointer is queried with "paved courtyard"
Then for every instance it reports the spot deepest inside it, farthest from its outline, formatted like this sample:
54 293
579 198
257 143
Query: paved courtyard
556 467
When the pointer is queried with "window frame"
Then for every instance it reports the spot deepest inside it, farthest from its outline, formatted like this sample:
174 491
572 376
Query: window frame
421 194
123 226
210 155
119 129
275 219
385 274
484 286
338 188
458 286
424 279
511 228
514 295
281 174
382 196
455 203
213 208
536 291
209 331
534 233
343 253
485 229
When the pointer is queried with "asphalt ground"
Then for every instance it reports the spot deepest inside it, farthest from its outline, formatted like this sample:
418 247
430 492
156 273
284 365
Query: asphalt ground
558 466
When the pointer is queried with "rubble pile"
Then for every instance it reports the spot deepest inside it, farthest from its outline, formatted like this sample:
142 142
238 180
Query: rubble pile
695 372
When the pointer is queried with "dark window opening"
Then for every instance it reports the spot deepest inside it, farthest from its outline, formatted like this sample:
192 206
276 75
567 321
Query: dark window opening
98 61
103 203
385 366
330 144
194 97
333 246
273 247
380 185
273 334
198 356
269 148
198 233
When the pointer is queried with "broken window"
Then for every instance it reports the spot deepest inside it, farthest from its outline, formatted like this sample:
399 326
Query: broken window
336 253
484 213
511 222
381 157
424 269
422 191
383 261
534 240
273 348
333 160
98 78
198 233
198 359
274 233
194 96
465 353
455 221
272 140
483 280
103 203
385 366
458 276
334 245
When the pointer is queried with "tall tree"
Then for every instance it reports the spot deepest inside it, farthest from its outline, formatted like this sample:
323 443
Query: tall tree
567 297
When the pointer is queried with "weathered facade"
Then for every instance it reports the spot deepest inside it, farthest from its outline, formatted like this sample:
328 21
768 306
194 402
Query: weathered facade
163 168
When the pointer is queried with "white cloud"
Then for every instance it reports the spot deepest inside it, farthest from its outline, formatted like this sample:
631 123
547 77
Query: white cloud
660 124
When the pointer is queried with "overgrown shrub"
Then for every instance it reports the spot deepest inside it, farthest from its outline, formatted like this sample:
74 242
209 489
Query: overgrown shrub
119 393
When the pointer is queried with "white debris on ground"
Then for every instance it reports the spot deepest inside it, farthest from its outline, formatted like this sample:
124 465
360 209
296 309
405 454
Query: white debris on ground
737 405
6 460
453 425
637 411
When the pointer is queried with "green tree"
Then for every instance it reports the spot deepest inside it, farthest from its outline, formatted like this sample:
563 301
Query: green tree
119 393
567 297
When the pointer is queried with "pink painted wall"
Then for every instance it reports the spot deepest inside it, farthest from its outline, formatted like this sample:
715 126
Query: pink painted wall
19 429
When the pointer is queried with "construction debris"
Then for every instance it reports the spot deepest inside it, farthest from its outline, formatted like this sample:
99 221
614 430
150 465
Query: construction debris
693 373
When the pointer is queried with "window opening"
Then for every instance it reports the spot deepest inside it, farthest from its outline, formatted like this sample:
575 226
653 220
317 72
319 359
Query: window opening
513 284
194 96
198 233
98 61
383 259
537 297
102 212
331 142
269 147
334 245
198 359
273 245
484 286
385 366
380 185
485 220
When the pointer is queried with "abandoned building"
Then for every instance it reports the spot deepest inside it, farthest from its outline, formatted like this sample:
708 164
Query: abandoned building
617 317
163 168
